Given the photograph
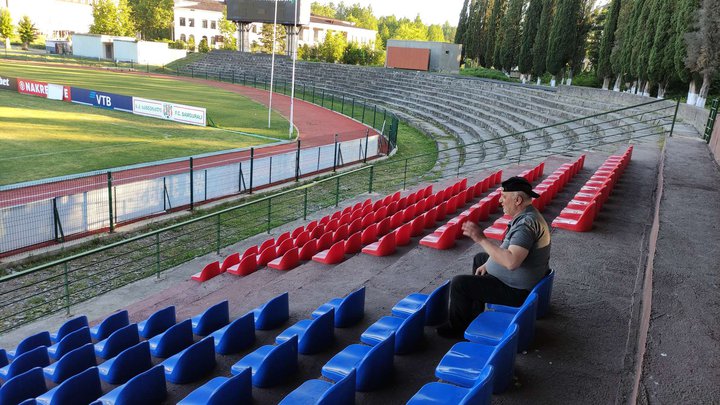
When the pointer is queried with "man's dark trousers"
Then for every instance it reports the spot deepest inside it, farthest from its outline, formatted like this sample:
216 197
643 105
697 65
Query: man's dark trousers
469 294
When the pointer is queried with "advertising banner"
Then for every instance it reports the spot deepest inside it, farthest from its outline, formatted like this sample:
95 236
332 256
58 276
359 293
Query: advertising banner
169 111
263 11
32 88
58 92
101 99
8 83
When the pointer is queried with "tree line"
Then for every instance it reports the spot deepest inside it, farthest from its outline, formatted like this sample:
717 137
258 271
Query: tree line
26 31
643 46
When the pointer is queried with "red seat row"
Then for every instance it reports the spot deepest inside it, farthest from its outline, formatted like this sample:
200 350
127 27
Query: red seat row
582 210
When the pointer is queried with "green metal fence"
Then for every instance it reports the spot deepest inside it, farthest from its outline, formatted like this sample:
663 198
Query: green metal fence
711 120
26 295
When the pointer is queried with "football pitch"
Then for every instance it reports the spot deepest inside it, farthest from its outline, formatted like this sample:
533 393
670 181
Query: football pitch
42 138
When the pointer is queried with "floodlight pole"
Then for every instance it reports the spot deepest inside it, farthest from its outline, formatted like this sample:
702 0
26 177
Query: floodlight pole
272 64
292 80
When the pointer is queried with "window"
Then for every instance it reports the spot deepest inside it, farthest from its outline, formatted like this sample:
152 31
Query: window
213 24
191 22
204 23
182 21
212 40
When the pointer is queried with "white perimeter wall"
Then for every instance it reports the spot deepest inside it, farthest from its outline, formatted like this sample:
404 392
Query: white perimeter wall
88 46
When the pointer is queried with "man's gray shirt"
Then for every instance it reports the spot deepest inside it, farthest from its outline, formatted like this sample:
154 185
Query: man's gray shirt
530 231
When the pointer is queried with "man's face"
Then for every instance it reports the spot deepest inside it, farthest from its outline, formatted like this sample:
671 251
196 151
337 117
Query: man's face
510 202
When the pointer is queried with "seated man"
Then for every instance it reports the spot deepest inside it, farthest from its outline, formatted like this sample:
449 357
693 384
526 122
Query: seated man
503 274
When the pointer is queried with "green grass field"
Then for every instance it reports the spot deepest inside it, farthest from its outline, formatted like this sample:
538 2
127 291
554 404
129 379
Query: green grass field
42 138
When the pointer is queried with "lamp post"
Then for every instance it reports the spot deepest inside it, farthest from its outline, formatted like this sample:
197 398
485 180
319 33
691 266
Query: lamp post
272 64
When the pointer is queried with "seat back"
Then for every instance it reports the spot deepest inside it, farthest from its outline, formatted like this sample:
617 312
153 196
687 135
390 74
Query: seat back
355 226
110 325
351 309
192 363
525 319
319 334
280 363
118 341
503 358
266 244
173 340
3 358
341 233
29 384
543 289
70 342
297 231
308 250
342 392
37 357
237 389
353 244
376 367
129 363
147 387
325 241
212 319
31 342
481 392
403 234
436 306
237 336
266 256
273 313
251 251
158 322
247 266
282 238
369 235
301 239
410 333
284 246
82 388
69 327
72 363
230 261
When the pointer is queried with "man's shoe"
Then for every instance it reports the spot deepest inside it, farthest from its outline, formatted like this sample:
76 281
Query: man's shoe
448 332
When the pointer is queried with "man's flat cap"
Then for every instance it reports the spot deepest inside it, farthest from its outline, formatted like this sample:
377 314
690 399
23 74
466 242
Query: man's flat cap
519 184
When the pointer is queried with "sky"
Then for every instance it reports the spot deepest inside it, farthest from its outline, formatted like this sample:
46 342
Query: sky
431 11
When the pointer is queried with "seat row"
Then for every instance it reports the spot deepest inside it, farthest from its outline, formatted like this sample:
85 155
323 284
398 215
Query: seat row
581 211
547 190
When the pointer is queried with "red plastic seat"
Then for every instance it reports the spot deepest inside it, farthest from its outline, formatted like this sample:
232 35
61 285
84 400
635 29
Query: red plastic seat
403 234
312 225
498 178
209 271
427 191
334 255
379 203
496 232
335 215
397 219
367 220
266 244
324 220
301 239
247 265
441 211
480 187
230 261
383 227
280 239
420 206
317 232
381 214
345 219
473 214
355 226
430 218
417 226
357 206
442 241
266 256
308 250
341 233
582 223
332 226
392 208
408 213
469 194
357 214
384 247
402 203
412 198
286 245
251 251
369 235
456 188
286 262
325 241
346 211
353 244
297 231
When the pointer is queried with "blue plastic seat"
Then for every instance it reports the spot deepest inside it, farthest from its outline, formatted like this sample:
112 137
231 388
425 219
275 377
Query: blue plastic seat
70 342
126 365
29 343
314 335
211 319
273 313
544 291
158 322
109 325
3 358
145 388
70 364
191 364
118 341
348 311
320 392
69 327
37 357
235 337
223 390
373 364
436 305
270 364
29 384
490 326
409 332
82 388
175 339
436 393
464 363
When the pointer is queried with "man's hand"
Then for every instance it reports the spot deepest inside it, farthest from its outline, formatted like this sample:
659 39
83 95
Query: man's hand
473 231
480 270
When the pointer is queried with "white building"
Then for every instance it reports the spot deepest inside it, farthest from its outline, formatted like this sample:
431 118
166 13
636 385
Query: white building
55 19
315 32
198 19
124 49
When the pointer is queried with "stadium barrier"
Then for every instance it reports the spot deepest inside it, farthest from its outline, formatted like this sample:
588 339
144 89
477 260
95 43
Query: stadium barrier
28 294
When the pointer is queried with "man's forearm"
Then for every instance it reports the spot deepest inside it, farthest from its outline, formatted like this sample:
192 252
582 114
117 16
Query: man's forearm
499 255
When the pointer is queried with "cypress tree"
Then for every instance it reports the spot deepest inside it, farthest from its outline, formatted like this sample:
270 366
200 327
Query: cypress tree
562 36
471 35
660 61
616 57
682 23
492 31
511 35
643 44
529 32
604 68
541 39
704 47
585 22
462 24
